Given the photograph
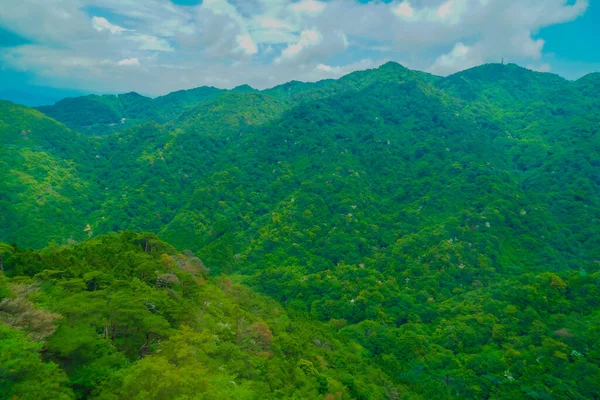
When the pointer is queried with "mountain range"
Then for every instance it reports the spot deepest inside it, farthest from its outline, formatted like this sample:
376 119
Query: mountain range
444 226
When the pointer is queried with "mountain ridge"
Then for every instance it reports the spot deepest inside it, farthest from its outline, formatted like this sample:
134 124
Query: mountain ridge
171 104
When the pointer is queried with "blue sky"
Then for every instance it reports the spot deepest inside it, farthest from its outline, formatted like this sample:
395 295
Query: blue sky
157 46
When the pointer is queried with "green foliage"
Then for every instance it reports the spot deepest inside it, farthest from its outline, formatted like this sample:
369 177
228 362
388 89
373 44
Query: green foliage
23 374
132 318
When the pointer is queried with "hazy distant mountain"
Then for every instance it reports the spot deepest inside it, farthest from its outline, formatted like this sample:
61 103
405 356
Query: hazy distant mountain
36 95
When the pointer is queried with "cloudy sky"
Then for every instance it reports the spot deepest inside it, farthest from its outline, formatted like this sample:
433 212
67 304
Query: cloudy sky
157 46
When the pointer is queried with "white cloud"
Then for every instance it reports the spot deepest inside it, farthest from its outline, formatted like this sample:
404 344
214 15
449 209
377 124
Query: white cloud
147 42
312 47
101 24
325 68
265 42
448 12
459 58
545 67
273 23
404 9
129 62
308 6
172 27
51 24
308 38
246 44
445 9
267 29
526 46
223 7
453 10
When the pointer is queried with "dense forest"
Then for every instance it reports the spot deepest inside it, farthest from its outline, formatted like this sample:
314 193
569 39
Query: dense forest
388 235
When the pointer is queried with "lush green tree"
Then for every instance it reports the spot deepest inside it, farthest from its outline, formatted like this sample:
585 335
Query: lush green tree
23 374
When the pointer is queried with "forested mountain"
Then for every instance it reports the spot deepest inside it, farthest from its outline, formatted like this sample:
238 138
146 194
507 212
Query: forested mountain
99 114
419 237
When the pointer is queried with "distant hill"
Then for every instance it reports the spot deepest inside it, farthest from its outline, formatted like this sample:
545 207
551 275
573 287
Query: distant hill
504 85
108 113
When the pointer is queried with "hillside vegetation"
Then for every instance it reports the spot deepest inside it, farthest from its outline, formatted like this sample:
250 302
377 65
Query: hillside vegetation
422 237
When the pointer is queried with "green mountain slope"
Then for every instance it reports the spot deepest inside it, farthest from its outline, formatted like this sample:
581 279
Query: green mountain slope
42 188
422 160
393 157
